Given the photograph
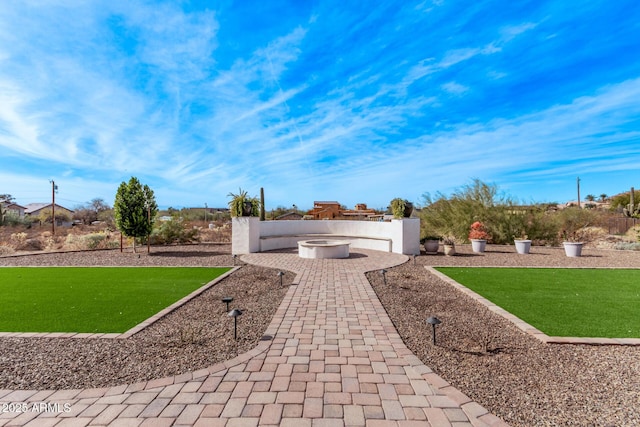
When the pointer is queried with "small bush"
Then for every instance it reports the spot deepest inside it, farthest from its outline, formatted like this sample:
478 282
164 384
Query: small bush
627 246
18 239
174 231
6 250
33 245
92 241
12 220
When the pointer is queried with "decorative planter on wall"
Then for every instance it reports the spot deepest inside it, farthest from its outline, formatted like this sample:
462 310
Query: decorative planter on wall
478 245
449 250
431 246
573 249
523 246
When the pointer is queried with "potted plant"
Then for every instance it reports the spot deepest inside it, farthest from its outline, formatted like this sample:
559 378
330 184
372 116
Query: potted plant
523 244
572 243
478 236
449 245
401 208
431 244
243 205
575 230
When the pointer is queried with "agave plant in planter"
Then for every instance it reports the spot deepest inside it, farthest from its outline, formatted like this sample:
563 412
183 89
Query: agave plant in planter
401 208
478 236
243 205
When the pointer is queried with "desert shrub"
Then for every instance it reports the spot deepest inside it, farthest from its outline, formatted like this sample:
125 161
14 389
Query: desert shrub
575 224
100 240
452 216
34 244
173 231
627 246
503 218
511 221
18 239
6 250
11 219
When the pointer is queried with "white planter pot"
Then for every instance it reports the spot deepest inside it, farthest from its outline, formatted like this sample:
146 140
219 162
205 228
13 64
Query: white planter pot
573 249
449 250
523 246
478 245
431 246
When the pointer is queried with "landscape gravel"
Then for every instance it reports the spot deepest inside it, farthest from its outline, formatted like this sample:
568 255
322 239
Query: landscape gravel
523 381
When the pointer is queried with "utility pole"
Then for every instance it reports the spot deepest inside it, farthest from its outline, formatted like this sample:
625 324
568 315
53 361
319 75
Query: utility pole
149 220
54 188
205 214
578 182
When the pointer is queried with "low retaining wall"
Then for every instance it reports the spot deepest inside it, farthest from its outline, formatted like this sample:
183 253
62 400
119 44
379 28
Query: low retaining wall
250 235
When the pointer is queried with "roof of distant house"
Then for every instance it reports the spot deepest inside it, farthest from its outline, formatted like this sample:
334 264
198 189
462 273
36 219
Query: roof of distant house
34 207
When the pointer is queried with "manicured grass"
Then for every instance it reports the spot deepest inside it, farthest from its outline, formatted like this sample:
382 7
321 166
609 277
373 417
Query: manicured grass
92 299
562 302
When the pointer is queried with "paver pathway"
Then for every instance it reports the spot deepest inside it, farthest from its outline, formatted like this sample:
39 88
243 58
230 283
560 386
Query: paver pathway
331 357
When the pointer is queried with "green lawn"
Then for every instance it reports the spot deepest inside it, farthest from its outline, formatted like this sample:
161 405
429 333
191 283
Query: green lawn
92 299
562 302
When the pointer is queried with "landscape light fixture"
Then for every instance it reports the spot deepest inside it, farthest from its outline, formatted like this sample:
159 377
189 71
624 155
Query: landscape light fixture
227 300
235 313
280 274
433 321
384 276
234 259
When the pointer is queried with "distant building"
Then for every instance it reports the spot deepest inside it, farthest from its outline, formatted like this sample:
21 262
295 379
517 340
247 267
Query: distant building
14 209
333 210
325 210
360 212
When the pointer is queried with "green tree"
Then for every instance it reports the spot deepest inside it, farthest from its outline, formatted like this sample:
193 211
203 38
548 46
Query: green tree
135 209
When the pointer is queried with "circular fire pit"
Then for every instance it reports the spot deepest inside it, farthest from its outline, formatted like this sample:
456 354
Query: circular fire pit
323 249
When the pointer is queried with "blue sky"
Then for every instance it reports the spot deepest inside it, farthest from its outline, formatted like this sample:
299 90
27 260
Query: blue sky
358 102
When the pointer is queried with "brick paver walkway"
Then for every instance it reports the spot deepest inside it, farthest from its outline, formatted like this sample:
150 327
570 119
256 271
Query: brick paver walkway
334 359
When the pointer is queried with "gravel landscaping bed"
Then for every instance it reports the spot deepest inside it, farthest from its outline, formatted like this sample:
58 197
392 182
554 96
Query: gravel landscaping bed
518 378
196 335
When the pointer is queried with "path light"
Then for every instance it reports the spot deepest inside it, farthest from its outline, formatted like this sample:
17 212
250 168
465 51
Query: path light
414 259
433 321
227 300
234 259
384 276
235 313
280 274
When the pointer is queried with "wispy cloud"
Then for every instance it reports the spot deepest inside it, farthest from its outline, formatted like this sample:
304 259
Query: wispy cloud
322 101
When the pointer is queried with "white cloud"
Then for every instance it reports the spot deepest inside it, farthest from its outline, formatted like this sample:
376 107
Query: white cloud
454 88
